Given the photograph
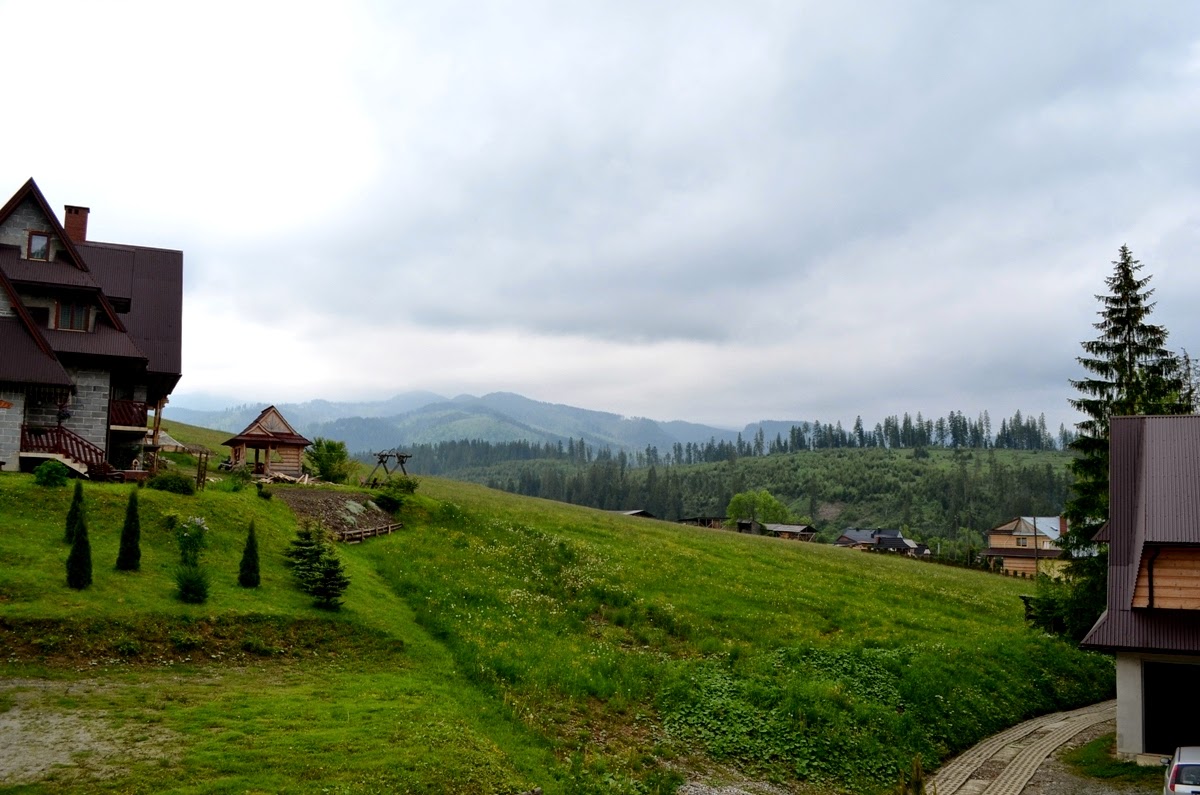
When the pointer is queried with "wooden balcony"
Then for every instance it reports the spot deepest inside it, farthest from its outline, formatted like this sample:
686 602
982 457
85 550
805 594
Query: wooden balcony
127 414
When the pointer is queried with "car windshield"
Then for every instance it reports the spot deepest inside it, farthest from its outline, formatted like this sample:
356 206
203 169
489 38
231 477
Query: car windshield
1188 775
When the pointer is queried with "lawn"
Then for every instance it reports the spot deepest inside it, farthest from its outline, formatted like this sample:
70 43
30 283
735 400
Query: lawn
498 643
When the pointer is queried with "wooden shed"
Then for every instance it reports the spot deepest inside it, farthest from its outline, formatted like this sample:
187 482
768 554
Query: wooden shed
276 445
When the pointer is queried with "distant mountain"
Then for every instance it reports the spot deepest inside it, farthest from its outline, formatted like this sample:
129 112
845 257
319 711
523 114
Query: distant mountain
302 415
424 417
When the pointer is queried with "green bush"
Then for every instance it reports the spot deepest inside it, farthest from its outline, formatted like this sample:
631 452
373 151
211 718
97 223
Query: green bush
240 477
173 482
329 459
192 582
51 473
192 537
393 492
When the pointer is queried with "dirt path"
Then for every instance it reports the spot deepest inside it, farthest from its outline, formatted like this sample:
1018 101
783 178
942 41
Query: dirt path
1005 763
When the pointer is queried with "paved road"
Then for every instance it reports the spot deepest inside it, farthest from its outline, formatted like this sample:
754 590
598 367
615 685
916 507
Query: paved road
1022 748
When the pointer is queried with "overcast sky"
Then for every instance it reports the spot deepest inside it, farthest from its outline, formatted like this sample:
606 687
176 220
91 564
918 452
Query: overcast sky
719 212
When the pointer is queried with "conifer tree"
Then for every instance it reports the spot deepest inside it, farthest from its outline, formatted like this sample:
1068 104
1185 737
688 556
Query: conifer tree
79 561
129 556
1130 371
248 575
328 580
73 513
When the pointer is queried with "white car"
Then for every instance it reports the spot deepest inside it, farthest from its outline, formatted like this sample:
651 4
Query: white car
1183 773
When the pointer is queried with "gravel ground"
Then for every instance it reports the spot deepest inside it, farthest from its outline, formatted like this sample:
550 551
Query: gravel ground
1055 778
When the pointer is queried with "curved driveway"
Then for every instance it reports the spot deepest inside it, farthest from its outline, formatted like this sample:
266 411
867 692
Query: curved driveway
1024 747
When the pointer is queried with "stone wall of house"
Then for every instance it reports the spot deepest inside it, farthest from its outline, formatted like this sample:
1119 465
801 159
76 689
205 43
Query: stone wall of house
10 426
28 217
88 407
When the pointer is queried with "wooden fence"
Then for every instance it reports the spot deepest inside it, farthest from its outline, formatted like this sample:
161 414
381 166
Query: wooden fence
359 534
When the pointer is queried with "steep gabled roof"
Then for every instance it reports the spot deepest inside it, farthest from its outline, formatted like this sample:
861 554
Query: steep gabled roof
1154 501
69 272
269 427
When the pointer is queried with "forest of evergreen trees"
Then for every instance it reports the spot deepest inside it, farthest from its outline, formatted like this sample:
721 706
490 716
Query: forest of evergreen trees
956 431
952 478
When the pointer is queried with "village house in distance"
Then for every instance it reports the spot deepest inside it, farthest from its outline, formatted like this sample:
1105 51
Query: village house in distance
90 339
1027 546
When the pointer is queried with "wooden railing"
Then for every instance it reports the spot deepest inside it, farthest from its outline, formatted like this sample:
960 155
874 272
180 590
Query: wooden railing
60 441
131 413
358 534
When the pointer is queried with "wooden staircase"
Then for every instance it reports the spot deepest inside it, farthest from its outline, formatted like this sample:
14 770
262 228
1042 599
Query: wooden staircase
68 447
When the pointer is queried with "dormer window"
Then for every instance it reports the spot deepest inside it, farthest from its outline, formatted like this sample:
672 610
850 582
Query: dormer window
39 246
73 317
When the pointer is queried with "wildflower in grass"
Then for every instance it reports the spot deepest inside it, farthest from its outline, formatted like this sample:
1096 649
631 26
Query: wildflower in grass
129 557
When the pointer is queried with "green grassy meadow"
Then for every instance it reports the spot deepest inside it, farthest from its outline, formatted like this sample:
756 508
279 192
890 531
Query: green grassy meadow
498 643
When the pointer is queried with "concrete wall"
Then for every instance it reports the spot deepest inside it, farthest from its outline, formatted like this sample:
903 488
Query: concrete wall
10 427
88 407
1129 705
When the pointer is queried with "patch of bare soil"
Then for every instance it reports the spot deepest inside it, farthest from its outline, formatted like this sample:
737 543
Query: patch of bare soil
37 740
337 510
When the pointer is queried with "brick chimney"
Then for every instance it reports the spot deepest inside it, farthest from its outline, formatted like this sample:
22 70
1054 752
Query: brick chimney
76 223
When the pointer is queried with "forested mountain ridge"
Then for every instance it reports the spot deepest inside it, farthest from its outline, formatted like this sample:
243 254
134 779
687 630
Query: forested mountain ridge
955 495
418 418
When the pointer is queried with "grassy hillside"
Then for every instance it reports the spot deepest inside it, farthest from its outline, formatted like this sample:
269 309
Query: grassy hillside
500 642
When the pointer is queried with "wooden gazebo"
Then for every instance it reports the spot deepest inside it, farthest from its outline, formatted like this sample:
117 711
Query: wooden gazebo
271 434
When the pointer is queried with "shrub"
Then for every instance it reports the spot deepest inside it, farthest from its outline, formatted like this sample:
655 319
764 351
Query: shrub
316 567
192 582
248 575
240 477
263 492
79 561
393 491
129 557
330 459
192 537
327 580
174 482
74 512
51 473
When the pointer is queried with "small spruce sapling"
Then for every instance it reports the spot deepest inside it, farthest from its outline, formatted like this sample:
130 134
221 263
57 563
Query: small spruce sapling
129 557
73 513
328 581
79 561
248 575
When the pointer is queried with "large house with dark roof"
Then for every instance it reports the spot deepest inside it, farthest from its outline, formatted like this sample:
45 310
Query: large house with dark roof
1152 623
90 339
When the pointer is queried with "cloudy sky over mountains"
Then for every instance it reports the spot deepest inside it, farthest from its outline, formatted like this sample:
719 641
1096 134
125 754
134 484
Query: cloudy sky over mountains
719 212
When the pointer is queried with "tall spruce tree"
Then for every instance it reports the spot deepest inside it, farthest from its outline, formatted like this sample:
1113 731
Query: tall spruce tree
248 574
79 561
73 513
129 556
1130 371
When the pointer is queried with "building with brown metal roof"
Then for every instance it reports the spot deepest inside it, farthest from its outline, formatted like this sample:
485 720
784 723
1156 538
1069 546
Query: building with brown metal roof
1152 623
90 339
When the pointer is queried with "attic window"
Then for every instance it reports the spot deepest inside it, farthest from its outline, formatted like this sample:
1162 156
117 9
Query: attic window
119 305
39 246
73 317
1022 542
